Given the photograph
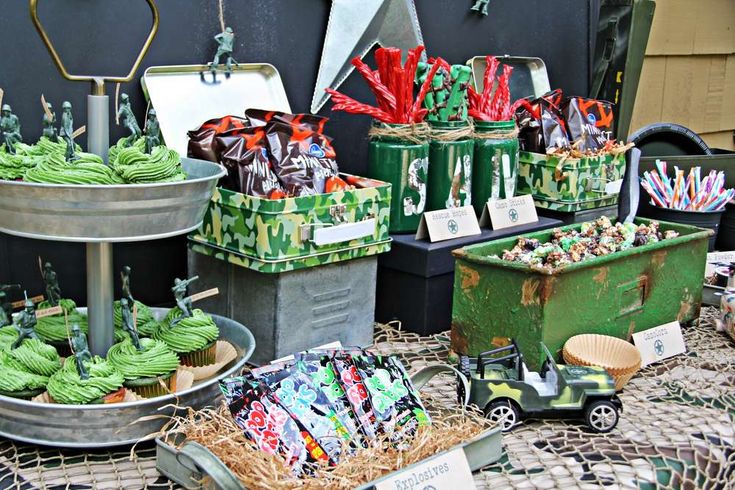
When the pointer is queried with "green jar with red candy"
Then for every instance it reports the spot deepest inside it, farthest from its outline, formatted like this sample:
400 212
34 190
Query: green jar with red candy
399 154
495 166
450 165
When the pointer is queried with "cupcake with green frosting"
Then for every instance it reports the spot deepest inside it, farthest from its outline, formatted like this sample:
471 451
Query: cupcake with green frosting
8 335
53 329
194 338
151 371
146 323
68 388
25 371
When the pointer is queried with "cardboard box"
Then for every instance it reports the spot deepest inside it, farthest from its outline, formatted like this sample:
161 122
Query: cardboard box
683 27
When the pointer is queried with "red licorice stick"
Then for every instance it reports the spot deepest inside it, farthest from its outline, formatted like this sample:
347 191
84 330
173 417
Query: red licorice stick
424 90
386 100
412 63
398 77
348 104
488 81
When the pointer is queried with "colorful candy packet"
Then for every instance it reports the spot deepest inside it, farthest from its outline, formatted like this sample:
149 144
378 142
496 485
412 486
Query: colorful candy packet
249 169
589 122
395 401
356 393
308 405
320 368
271 427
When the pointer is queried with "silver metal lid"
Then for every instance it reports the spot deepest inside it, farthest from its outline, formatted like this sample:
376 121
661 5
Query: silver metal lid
529 75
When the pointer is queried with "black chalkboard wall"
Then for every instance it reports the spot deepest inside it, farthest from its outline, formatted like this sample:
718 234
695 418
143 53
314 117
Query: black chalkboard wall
104 36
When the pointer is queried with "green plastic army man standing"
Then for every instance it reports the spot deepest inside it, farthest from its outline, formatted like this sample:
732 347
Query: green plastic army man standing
128 324
49 124
67 129
182 300
127 118
53 291
6 309
152 132
81 350
125 279
25 324
481 6
225 44
10 128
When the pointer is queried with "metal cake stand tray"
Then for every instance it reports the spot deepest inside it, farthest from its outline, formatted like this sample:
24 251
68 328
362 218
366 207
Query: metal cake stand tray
109 213
86 426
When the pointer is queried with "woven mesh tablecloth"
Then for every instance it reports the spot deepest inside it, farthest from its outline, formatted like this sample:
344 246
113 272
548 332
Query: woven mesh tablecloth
677 430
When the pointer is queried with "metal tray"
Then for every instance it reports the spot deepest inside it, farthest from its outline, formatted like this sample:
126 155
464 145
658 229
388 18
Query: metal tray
185 96
108 213
530 77
87 426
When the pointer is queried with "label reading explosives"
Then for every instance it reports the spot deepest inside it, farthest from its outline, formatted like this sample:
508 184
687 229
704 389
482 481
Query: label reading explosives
446 224
660 342
504 213
448 471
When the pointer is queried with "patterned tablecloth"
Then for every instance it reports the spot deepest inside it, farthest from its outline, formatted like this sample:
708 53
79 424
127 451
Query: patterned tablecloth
677 430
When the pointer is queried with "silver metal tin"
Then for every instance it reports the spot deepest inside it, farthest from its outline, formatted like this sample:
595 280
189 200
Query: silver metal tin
187 95
529 78
86 426
108 213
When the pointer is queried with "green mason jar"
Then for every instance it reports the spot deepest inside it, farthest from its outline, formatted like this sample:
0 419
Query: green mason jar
496 162
405 164
450 165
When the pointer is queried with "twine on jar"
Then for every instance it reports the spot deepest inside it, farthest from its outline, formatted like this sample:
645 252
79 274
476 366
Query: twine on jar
453 134
494 135
415 133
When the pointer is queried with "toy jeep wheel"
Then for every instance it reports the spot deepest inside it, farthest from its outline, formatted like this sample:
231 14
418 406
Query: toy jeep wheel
503 413
601 416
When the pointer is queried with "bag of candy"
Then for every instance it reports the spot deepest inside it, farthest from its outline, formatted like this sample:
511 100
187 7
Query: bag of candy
249 169
589 122
203 143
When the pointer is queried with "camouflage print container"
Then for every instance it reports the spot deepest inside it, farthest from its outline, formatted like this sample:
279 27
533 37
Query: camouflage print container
576 183
405 164
495 167
286 234
450 165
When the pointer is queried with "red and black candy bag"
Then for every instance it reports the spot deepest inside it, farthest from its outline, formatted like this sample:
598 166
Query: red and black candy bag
589 122
203 142
249 169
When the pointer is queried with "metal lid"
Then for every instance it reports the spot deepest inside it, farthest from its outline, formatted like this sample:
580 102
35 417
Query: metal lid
529 75
187 95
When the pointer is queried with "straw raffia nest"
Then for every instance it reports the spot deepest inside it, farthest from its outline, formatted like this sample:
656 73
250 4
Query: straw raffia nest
619 358
216 430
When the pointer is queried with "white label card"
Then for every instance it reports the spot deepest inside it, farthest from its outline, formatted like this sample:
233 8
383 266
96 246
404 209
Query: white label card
614 187
660 342
449 471
446 224
715 258
505 213
336 345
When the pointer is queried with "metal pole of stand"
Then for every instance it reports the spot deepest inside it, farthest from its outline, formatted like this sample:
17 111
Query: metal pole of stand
100 297
99 255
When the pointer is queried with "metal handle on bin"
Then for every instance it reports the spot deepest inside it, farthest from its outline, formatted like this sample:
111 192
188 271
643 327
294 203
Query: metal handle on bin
424 375
200 460
98 81
341 231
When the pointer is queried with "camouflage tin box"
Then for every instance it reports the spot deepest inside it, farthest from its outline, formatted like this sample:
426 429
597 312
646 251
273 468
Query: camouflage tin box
569 184
287 234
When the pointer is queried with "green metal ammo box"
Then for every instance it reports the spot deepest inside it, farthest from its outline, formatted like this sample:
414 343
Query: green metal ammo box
617 294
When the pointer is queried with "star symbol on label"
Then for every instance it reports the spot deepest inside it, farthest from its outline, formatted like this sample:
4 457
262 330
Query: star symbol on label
659 347
513 215
452 227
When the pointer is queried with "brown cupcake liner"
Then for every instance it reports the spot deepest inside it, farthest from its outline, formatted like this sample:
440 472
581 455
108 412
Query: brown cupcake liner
153 387
201 357
225 354
619 358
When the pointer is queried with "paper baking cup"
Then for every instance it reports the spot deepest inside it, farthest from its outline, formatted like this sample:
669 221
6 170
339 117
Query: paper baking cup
201 357
153 387
224 354
619 358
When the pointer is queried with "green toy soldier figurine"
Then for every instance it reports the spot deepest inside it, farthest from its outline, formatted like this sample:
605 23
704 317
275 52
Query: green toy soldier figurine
182 300
225 43
6 309
126 116
53 291
81 350
128 324
10 128
152 132
49 124
481 6
67 130
125 277
25 324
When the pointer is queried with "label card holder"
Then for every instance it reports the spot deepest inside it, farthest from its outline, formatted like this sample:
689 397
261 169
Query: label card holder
659 343
447 224
448 471
506 213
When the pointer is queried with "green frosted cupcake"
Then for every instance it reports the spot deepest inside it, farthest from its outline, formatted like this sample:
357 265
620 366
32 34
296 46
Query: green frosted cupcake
68 388
25 371
8 334
145 369
146 323
194 339
53 329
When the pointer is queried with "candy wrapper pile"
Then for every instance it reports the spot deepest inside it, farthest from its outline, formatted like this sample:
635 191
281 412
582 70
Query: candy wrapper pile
593 239
325 405
270 154
692 193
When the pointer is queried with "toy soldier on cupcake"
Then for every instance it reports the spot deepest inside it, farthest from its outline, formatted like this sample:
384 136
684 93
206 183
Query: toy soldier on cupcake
25 324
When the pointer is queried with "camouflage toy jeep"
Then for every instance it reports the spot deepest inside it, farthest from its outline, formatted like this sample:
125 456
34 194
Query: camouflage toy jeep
502 385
